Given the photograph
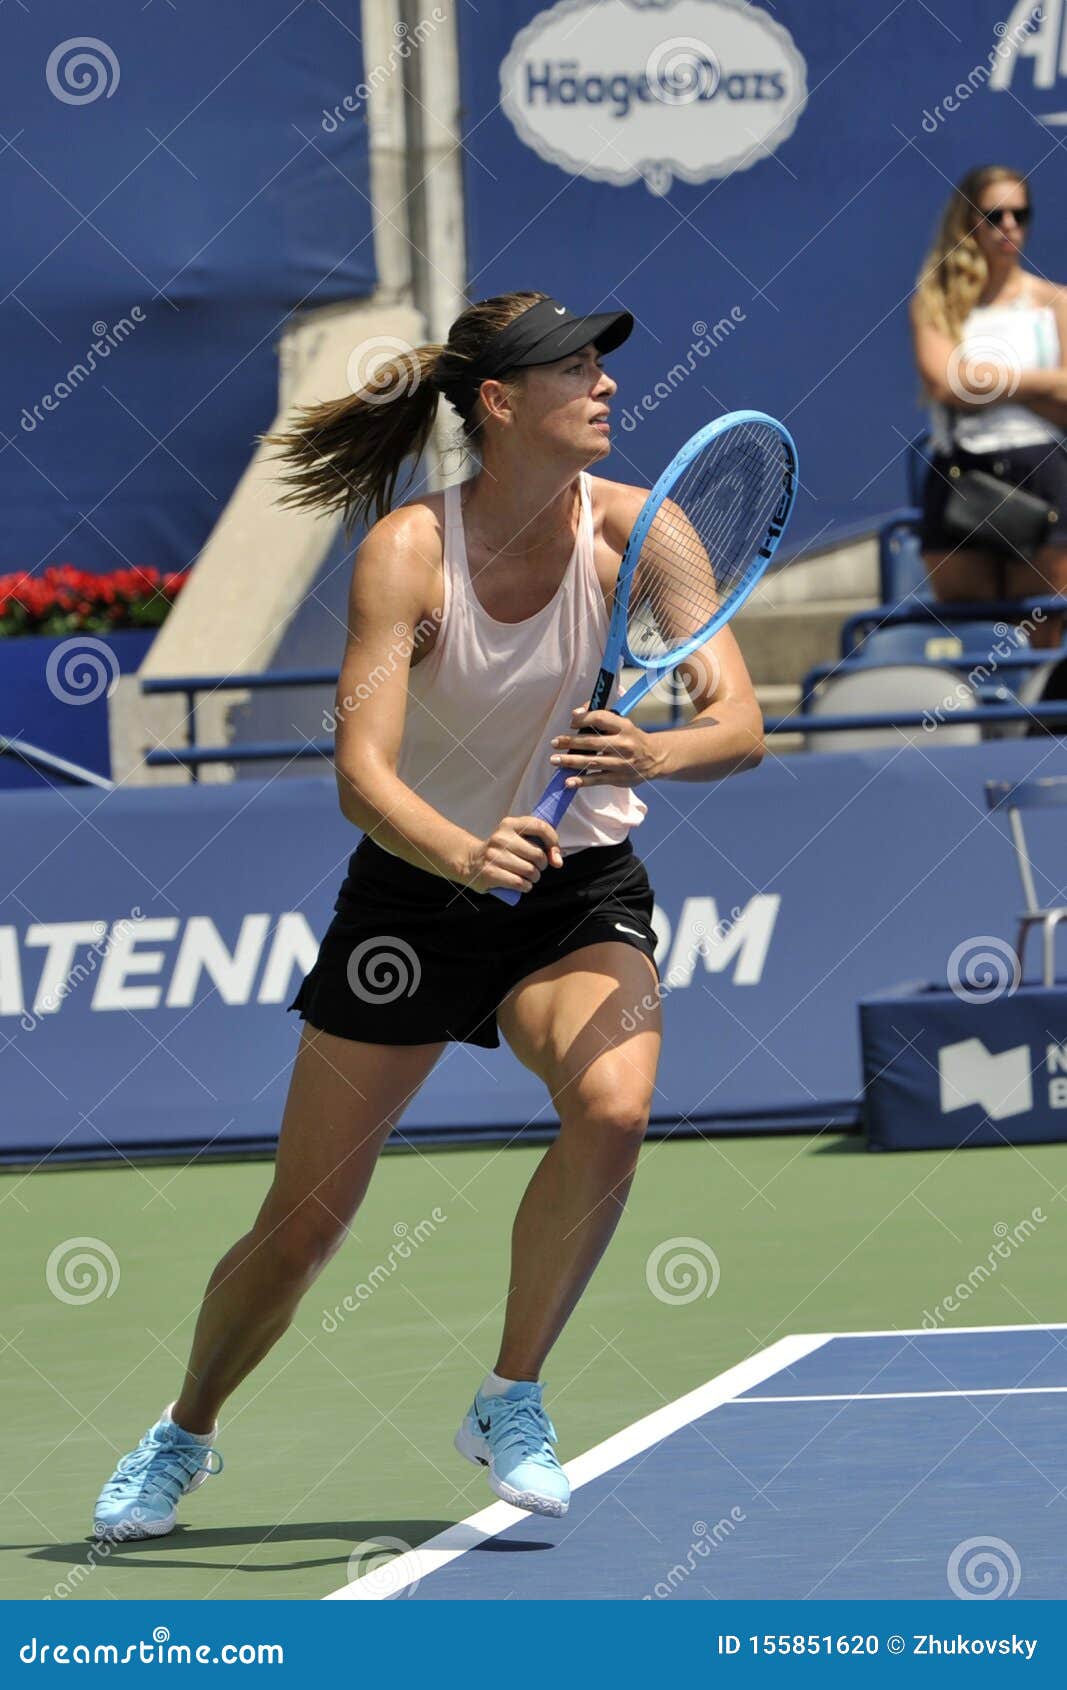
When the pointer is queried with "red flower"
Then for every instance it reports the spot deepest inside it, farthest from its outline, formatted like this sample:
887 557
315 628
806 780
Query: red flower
137 596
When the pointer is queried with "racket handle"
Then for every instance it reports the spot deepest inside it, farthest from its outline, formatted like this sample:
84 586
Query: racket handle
552 806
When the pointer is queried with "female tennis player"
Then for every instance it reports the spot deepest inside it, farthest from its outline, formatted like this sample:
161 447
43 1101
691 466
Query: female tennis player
477 622
991 346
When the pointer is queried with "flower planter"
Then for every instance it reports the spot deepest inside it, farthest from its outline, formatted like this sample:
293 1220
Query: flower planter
54 693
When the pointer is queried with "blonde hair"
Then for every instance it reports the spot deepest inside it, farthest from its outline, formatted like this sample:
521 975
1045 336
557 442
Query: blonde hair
346 454
954 271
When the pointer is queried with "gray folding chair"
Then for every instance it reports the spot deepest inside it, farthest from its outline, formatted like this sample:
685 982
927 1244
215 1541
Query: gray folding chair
1016 797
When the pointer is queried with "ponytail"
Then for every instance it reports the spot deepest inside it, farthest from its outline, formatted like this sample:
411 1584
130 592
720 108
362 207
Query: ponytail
345 455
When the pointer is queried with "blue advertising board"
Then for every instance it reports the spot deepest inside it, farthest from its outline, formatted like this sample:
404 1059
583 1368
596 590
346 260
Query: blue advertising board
759 184
151 939
980 1061
178 181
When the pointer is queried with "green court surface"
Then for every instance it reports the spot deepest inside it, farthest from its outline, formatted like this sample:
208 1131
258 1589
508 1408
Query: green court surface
343 1436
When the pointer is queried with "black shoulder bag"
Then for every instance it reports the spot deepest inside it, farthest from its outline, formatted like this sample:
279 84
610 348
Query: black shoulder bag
984 510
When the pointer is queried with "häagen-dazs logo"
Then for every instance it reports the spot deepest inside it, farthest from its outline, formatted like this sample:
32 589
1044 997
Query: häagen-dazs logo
646 90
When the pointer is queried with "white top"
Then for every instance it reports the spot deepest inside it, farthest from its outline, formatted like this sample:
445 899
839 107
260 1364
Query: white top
485 704
1022 335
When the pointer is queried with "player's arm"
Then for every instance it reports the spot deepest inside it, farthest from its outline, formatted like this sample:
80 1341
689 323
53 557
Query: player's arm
725 734
390 612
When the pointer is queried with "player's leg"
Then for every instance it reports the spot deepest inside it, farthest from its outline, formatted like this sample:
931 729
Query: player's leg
589 1027
344 1098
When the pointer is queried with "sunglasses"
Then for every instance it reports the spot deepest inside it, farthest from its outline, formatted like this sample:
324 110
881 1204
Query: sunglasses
1022 215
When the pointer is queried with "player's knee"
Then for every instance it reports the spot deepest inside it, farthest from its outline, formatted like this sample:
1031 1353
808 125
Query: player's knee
299 1245
613 1120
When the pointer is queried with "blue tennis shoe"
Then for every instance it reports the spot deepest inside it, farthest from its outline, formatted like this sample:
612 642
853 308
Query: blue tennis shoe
513 1436
141 1497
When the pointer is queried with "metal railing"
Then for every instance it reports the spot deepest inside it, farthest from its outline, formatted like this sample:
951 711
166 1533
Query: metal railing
46 762
988 715
965 662
193 756
865 622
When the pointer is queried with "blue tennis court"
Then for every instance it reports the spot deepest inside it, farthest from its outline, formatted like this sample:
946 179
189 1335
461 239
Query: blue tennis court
922 1465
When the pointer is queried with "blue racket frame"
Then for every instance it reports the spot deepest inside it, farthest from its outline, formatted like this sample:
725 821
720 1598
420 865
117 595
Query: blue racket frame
557 796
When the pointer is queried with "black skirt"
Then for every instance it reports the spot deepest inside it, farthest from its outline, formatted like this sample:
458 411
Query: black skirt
410 958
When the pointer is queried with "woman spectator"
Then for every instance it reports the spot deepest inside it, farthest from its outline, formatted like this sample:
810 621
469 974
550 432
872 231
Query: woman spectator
990 343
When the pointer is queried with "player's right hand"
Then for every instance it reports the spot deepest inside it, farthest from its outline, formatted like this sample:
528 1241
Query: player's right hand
513 856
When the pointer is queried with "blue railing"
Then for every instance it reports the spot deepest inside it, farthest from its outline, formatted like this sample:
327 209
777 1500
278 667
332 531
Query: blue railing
966 663
863 622
46 762
192 756
988 715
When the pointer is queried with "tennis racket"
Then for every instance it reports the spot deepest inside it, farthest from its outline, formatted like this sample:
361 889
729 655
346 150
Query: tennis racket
703 538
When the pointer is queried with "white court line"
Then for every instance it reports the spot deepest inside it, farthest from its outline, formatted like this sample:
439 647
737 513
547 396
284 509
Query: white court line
429 1557
904 1396
953 1331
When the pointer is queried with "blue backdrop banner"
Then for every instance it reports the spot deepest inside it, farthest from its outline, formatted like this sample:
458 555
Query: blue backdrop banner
150 941
177 180
759 184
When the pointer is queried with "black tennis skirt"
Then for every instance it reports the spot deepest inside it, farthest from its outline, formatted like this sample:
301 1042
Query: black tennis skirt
410 958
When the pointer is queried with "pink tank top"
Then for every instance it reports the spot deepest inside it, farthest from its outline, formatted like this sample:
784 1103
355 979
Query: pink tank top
484 706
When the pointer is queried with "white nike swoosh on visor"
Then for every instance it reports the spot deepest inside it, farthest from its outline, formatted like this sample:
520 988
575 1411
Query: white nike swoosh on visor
561 310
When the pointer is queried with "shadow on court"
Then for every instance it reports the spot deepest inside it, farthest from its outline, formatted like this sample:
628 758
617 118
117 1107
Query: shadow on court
178 1548
842 1144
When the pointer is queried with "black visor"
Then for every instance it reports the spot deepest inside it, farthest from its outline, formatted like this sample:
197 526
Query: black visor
542 335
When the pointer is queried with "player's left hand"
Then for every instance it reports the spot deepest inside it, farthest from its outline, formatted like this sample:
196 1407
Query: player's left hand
606 750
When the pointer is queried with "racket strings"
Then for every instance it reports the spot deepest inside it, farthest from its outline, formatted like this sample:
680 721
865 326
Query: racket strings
706 538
